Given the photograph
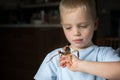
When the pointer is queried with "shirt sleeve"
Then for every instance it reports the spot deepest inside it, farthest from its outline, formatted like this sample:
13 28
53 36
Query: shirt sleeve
47 71
109 54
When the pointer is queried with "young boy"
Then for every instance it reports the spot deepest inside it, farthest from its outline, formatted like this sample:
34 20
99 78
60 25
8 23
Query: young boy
79 21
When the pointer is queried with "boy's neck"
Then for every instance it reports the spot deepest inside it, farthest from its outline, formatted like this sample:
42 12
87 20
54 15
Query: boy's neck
75 48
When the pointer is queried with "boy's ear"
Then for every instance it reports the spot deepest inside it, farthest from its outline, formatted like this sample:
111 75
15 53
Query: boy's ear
96 24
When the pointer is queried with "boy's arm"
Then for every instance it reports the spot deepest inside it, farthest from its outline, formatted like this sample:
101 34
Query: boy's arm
109 70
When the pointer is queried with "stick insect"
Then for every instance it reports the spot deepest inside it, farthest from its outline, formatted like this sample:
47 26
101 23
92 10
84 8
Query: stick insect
66 52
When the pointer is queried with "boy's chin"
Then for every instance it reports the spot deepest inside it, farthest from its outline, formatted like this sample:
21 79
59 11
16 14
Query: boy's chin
78 46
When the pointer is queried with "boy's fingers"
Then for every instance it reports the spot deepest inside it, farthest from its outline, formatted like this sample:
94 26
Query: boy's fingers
61 58
65 62
67 58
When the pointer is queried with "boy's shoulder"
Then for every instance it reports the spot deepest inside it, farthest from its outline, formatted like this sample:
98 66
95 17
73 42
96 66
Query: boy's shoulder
53 55
54 52
106 53
104 48
99 48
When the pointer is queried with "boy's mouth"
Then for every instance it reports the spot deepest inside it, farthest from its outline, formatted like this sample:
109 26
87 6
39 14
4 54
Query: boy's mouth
78 40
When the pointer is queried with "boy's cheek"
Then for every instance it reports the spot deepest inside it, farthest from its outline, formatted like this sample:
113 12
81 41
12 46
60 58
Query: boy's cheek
88 34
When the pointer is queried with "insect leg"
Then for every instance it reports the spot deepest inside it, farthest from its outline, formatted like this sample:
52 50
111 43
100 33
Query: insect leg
51 58
78 54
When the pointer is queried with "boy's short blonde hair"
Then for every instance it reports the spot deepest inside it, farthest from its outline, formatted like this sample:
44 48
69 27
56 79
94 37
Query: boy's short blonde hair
87 5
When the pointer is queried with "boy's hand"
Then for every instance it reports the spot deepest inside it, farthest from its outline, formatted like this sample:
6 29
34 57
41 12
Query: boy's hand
70 61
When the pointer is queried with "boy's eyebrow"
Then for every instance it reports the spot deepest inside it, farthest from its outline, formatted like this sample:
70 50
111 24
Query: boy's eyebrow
78 23
65 24
84 23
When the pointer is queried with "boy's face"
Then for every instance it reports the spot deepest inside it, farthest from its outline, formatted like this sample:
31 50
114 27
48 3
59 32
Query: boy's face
78 27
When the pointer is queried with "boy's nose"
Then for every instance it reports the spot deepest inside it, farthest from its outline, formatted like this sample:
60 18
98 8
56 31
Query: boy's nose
76 32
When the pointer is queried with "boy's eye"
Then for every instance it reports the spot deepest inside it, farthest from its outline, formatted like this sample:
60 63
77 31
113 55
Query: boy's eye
68 28
83 26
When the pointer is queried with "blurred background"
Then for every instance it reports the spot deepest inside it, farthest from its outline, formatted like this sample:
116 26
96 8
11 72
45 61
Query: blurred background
29 29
